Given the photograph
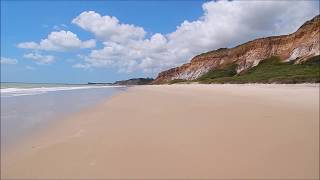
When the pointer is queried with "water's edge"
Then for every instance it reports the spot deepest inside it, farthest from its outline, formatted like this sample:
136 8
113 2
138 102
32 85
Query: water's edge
26 111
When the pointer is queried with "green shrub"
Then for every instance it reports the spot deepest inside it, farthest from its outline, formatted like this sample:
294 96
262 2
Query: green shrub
175 81
270 70
218 73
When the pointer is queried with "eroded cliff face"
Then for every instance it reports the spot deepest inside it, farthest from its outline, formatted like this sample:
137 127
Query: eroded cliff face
300 45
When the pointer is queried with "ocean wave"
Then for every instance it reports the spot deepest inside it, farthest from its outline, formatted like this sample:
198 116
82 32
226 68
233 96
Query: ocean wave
13 92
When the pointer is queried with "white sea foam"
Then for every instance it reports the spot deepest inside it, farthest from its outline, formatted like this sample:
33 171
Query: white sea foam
12 92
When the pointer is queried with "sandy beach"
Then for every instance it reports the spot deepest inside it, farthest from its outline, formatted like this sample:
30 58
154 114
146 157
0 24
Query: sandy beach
181 131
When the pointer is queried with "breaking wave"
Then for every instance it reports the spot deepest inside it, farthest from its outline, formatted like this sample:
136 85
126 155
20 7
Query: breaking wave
13 92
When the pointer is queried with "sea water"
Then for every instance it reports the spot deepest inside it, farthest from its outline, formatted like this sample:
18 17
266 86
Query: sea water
26 108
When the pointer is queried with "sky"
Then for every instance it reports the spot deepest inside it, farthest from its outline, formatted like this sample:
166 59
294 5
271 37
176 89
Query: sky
104 41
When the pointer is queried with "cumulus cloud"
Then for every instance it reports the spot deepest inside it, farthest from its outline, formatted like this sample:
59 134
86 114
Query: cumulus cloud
9 61
59 41
108 28
229 23
39 58
223 24
148 55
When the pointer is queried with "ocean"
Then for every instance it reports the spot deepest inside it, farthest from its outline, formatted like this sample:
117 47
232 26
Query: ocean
28 107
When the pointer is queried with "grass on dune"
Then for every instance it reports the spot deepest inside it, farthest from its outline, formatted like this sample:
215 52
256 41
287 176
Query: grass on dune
177 81
218 73
270 70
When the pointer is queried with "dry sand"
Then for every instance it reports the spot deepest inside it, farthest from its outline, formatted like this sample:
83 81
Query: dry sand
181 131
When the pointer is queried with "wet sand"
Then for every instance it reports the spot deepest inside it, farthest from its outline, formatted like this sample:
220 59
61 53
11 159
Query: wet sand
181 131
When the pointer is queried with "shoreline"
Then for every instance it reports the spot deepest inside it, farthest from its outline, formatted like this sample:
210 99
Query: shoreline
45 109
182 131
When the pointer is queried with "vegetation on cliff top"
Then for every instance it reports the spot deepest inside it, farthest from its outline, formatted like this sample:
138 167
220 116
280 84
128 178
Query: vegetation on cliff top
270 70
176 81
210 52
219 73
134 81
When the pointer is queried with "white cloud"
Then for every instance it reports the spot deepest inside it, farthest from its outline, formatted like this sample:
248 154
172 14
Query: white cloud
108 28
39 58
223 24
9 61
229 23
59 41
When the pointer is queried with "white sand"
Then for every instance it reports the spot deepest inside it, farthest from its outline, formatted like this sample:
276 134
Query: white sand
182 131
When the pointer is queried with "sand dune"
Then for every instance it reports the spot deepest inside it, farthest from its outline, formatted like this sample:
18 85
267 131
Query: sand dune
181 131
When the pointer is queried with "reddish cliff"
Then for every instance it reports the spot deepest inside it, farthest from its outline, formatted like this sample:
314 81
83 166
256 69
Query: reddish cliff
300 45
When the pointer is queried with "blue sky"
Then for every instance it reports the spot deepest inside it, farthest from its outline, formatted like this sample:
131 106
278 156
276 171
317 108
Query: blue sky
113 40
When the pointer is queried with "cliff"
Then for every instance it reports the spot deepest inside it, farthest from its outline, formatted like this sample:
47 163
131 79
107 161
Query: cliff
298 47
